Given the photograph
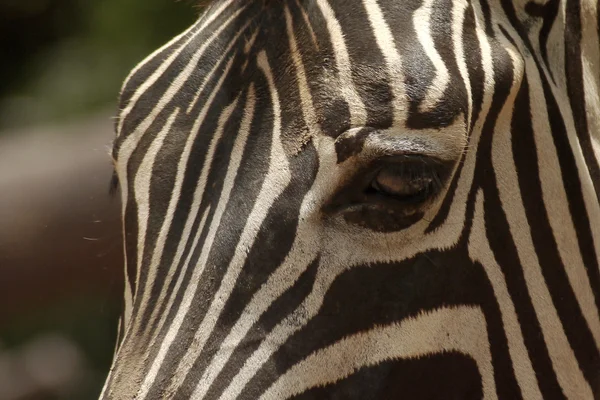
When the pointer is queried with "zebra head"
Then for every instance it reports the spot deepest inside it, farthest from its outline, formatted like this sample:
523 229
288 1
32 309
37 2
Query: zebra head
364 199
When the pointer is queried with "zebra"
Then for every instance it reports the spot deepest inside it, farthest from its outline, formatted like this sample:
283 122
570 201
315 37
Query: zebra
363 199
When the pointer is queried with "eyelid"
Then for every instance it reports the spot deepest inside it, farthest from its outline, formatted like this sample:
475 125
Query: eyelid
366 143
384 144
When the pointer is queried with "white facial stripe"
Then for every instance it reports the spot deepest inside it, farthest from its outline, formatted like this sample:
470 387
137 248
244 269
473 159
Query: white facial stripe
308 109
178 320
176 193
187 361
559 216
278 177
306 247
313 36
422 24
181 167
304 250
459 8
232 171
218 64
461 330
388 48
358 113
142 197
158 72
479 250
570 378
510 197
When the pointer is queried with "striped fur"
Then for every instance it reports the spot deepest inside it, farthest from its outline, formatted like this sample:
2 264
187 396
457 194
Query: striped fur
258 268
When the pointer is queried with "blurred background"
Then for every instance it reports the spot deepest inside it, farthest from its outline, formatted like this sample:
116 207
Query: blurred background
62 63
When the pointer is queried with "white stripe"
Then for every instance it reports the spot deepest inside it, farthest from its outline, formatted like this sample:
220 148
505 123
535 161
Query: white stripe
556 203
174 200
459 8
462 329
304 250
177 188
237 153
167 63
277 179
336 257
198 24
178 320
128 295
216 65
510 197
358 113
308 109
224 118
590 60
232 171
141 191
479 250
387 45
308 24
553 188
422 25
141 195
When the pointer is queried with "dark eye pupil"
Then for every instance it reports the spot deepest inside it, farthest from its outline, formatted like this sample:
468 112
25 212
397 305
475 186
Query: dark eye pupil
403 184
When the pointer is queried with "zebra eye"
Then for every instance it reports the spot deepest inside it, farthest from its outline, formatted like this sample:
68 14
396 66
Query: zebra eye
406 182
390 194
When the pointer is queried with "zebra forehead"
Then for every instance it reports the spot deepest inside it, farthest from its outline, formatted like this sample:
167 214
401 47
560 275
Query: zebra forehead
337 72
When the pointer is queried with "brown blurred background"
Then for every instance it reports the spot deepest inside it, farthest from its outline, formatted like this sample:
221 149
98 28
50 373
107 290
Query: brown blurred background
62 63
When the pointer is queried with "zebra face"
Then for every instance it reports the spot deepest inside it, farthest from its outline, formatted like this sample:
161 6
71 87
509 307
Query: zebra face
356 198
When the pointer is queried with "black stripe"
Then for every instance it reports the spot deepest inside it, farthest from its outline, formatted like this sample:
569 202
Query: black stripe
576 90
173 149
563 295
526 162
272 244
548 12
332 111
370 74
454 100
278 310
449 376
131 211
252 173
164 176
419 72
155 92
381 294
500 237
474 61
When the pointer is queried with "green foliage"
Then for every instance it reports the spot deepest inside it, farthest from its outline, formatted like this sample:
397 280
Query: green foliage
73 54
